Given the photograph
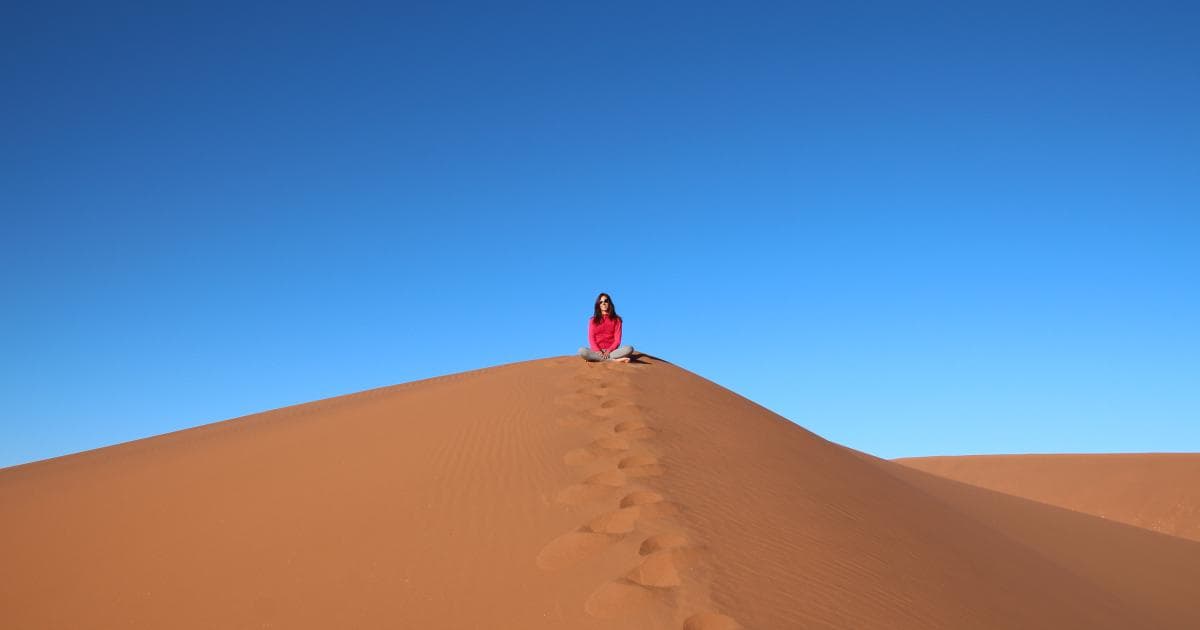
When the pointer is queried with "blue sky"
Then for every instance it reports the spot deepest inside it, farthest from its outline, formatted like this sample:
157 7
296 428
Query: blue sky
913 228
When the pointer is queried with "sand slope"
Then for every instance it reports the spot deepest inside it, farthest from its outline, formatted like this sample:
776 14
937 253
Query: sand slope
1154 574
552 494
1157 491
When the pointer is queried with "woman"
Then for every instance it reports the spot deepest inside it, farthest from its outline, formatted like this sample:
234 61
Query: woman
604 333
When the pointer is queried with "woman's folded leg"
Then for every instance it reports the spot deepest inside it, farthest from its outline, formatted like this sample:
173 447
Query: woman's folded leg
621 353
588 355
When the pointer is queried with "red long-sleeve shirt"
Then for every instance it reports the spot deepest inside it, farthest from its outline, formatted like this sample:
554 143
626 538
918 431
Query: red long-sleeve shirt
605 336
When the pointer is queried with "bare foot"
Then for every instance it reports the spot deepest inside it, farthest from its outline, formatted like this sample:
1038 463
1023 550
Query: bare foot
621 360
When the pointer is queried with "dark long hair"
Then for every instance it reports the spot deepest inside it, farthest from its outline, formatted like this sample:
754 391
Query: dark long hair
597 316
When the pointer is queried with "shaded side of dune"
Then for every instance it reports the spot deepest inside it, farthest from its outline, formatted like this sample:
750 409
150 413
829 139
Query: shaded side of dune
1155 575
805 533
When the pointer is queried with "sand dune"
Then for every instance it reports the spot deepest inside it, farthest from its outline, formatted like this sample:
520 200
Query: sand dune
1157 491
553 494
1154 574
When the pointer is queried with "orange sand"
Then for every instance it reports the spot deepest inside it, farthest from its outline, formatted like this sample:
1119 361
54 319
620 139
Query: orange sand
556 494
1158 491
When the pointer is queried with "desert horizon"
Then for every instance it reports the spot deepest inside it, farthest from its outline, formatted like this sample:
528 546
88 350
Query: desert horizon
556 493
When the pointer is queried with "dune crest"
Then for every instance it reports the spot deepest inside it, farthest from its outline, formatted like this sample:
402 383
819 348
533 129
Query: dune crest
553 494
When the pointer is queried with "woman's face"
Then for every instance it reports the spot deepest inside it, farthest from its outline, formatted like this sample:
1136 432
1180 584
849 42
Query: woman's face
604 304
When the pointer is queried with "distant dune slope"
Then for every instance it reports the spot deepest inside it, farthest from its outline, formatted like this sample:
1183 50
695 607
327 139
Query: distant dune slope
552 494
1152 573
1157 491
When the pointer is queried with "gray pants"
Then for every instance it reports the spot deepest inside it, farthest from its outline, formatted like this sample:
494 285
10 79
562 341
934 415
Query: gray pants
619 353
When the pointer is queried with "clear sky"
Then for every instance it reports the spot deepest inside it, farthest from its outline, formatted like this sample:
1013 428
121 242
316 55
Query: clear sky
913 228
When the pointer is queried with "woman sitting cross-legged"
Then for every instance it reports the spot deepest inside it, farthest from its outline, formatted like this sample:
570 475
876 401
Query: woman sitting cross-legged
604 333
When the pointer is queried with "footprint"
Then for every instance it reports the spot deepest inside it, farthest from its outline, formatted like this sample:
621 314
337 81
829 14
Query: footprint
662 542
574 547
612 443
641 497
620 521
652 503
611 478
598 449
658 581
571 548
641 466
617 407
634 430
597 487
579 494
660 569
710 621
621 598
598 391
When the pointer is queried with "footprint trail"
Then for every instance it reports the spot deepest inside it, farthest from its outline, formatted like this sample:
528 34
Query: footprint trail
666 583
